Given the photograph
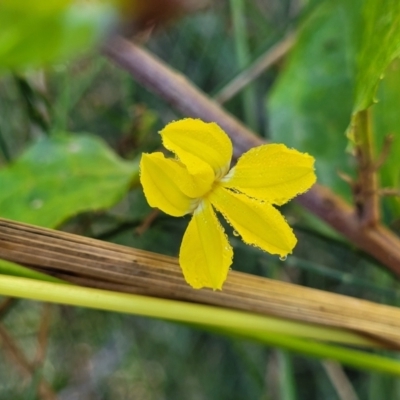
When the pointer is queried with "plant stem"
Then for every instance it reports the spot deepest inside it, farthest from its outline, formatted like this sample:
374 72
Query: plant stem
243 59
4 148
253 71
231 322
339 380
287 381
366 189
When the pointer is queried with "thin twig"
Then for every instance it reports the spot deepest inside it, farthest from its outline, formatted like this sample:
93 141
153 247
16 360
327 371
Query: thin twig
6 305
252 72
175 89
339 380
24 367
249 99
149 219
387 145
15 354
43 335
389 192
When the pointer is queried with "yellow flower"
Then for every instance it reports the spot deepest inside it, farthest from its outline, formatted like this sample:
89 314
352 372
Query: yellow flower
199 181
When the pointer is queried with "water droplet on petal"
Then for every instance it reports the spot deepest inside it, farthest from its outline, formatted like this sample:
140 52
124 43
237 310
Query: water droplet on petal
235 233
283 258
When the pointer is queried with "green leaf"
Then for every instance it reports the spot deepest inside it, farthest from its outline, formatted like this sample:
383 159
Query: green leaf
62 176
333 73
378 39
386 121
37 33
311 103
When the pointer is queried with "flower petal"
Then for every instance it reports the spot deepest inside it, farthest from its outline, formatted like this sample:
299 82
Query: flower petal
258 223
160 186
205 254
200 146
273 173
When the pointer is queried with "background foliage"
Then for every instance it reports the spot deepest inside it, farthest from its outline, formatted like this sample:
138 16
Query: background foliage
53 173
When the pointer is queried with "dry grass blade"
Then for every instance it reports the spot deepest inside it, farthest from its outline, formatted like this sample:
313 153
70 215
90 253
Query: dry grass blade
104 265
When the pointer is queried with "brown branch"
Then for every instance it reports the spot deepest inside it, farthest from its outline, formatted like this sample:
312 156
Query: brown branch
177 90
109 266
182 95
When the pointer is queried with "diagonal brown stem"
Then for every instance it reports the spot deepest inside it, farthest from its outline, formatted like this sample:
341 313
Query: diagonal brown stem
26 369
182 95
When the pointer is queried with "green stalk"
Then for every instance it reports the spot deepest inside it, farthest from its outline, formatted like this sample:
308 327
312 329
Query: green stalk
354 358
60 110
9 268
243 59
268 330
379 386
173 310
287 381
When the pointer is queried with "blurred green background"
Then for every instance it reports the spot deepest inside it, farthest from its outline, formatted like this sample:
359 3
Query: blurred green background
305 101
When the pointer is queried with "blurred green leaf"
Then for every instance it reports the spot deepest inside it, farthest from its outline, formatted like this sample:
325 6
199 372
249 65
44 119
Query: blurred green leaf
386 118
378 39
311 104
37 33
62 176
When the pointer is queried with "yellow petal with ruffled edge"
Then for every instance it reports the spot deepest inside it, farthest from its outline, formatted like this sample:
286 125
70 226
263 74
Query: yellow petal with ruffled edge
273 173
205 255
204 148
160 185
258 223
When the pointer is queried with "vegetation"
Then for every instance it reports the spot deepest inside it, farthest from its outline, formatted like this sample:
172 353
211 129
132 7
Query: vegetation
75 117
